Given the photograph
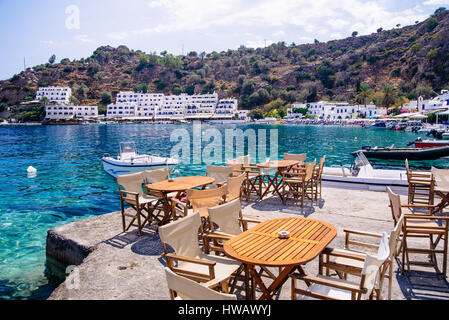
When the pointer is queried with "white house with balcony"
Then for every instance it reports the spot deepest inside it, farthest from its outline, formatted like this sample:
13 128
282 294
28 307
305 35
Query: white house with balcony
59 95
66 112
226 109
342 110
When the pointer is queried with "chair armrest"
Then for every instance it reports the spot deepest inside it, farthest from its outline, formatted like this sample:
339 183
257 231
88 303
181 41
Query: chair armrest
218 236
344 254
128 192
205 262
419 206
179 202
250 220
363 233
329 282
424 217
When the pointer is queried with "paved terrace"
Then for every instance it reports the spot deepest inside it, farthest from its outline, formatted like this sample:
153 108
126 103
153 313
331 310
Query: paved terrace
120 265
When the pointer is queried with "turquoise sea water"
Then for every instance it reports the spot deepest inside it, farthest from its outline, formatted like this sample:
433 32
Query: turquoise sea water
71 184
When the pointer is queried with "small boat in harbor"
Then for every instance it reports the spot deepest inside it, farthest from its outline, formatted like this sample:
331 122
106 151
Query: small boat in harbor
130 162
420 143
395 153
362 175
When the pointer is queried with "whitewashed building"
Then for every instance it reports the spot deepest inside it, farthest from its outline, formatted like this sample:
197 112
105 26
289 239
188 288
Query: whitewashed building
59 95
342 110
65 112
226 109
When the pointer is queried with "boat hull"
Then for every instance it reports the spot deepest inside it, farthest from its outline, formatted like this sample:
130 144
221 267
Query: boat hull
395 179
123 169
431 144
407 153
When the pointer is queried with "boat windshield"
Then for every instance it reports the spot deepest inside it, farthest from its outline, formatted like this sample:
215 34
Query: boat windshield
127 149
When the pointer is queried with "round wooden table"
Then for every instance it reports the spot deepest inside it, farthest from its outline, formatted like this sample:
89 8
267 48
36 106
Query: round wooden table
262 246
178 185
280 166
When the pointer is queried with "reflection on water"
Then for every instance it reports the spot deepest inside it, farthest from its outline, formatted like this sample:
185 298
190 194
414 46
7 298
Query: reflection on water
70 183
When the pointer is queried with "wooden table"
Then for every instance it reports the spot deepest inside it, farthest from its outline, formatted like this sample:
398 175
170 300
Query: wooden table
261 246
441 187
178 185
280 166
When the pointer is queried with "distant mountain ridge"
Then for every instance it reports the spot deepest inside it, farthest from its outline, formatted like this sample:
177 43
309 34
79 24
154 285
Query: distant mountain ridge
414 59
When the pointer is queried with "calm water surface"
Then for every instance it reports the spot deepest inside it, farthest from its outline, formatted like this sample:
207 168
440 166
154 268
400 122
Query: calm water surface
71 184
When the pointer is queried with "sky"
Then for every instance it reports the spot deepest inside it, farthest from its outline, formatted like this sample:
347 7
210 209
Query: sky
33 30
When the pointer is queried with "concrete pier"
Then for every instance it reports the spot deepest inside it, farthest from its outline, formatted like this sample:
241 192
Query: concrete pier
116 265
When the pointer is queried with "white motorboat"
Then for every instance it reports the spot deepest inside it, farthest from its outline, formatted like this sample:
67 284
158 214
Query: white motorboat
363 176
130 162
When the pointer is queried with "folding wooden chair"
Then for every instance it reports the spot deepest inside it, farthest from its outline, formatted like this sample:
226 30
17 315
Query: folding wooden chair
132 195
421 185
434 228
324 287
298 185
182 288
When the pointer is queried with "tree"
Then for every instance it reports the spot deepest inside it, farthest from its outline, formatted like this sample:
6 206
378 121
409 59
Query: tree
73 100
389 95
256 114
380 30
202 55
106 97
52 59
431 24
44 101
141 88
354 34
439 10
365 93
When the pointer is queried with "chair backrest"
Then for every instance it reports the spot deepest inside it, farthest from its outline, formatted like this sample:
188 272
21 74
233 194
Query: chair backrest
182 235
234 161
372 265
199 199
219 173
132 182
395 203
246 160
153 176
395 236
322 161
226 217
235 187
187 289
310 166
297 157
407 168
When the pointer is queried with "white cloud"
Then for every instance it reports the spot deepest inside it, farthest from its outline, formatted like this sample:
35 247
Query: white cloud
435 2
308 19
83 38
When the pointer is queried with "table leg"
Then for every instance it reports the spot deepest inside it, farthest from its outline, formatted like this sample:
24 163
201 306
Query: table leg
167 210
268 293
444 201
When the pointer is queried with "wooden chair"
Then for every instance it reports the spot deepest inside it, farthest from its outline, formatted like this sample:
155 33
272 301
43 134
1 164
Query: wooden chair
182 288
297 157
225 222
298 184
198 201
235 187
153 176
132 195
221 174
317 177
324 287
188 260
351 260
253 183
421 226
421 185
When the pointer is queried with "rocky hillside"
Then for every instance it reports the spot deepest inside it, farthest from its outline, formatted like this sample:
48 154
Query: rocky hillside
413 59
